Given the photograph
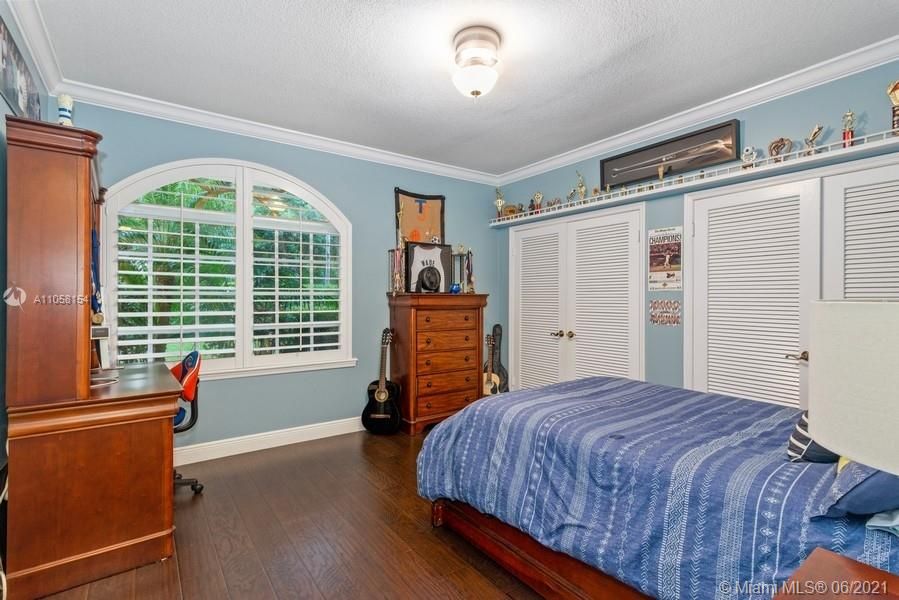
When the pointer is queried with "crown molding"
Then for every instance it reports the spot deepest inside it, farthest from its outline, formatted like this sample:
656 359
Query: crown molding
31 23
100 96
841 66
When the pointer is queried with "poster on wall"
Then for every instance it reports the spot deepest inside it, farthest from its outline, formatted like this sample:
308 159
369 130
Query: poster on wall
17 85
665 259
419 217
664 312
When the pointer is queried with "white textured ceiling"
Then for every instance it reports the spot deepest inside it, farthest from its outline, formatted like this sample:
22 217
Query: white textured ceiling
377 72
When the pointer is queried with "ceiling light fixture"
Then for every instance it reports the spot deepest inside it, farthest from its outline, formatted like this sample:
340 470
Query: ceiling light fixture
476 60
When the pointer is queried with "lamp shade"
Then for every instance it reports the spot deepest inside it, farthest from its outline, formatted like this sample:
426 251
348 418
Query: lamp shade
475 80
854 380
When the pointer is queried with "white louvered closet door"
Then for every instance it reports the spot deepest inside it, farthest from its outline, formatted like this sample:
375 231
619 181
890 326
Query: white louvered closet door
861 235
536 291
603 304
756 268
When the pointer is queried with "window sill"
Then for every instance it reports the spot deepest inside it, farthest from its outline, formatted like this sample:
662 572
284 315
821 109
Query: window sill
280 369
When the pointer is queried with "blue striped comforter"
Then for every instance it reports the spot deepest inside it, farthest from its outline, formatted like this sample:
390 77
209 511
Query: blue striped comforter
677 493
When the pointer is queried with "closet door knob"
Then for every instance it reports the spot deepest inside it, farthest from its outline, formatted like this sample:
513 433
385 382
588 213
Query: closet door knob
557 334
570 334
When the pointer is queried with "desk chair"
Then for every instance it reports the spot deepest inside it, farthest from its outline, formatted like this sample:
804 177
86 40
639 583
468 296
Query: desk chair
188 373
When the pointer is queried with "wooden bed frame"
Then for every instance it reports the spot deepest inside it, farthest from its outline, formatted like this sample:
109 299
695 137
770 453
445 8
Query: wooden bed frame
551 574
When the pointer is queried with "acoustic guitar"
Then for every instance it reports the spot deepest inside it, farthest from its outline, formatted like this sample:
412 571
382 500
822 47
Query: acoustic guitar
491 379
382 415
498 367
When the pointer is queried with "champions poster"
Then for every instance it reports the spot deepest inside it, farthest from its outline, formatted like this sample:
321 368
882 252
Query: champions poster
665 259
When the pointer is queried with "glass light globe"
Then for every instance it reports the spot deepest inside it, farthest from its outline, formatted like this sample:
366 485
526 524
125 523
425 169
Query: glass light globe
475 80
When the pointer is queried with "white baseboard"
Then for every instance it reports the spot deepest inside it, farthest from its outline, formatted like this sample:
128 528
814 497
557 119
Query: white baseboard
194 453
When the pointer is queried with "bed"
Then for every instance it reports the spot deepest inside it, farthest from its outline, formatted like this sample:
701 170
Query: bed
608 487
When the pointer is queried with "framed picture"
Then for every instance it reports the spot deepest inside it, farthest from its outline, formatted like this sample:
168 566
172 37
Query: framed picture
704 148
17 85
419 218
420 256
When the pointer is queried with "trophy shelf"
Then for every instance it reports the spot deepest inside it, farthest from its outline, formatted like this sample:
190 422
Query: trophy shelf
862 147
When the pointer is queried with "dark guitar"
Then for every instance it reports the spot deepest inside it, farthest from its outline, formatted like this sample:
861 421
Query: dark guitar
491 379
381 415
498 367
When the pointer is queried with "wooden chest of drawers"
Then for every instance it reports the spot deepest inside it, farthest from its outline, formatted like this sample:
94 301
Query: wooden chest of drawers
436 354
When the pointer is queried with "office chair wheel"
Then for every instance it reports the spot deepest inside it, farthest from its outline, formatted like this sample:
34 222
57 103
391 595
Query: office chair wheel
197 488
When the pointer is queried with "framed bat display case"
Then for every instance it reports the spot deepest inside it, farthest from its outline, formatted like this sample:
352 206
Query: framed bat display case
704 148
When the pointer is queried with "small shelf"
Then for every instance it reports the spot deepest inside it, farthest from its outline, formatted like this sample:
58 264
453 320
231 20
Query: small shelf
863 146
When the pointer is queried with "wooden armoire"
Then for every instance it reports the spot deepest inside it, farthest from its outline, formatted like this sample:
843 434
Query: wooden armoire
90 467
436 354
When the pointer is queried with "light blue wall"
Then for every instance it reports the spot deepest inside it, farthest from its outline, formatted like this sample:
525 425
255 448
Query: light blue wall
791 116
5 110
364 192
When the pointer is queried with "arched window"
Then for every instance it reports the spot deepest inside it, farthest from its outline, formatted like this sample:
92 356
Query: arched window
245 264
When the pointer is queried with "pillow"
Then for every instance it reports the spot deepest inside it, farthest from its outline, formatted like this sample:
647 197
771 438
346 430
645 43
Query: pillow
860 490
886 521
802 447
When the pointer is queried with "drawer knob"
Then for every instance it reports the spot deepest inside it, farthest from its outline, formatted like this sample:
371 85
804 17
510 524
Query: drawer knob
429 384
427 340
428 363
467 358
468 398
467 379
466 317
428 405
466 338
427 319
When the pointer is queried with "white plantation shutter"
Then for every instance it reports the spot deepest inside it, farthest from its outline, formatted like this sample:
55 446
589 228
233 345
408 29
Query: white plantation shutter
861 222
296 276
248 266
605 298
176 274
539 303
756 270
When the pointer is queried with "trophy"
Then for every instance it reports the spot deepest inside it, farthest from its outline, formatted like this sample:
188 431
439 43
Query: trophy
538 201
893 93
779 147
749 156
581 186
812 139
499 203
848 128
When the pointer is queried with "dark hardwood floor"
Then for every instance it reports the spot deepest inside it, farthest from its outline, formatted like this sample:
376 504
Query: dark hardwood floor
332 518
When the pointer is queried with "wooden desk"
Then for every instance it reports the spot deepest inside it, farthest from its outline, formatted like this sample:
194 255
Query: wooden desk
90 483
826 575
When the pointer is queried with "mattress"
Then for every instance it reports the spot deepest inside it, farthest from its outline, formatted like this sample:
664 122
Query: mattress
677 493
